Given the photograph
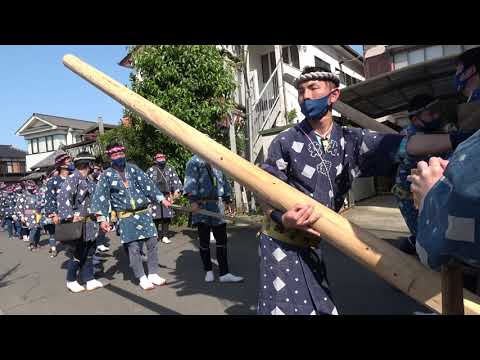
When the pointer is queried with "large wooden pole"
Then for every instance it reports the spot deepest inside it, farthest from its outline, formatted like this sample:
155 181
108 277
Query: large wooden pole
401 270
452 289
361 119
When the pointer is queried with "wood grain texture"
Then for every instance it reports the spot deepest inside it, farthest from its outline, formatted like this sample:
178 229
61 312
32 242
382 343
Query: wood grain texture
452 289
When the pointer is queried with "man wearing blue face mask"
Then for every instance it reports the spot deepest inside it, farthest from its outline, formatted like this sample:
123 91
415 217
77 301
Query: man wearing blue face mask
448 190
168 182
64 166
467 83
424 120
321 159
125 189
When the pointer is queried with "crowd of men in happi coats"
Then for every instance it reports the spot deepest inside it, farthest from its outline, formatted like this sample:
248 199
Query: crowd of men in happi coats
122 198
440 201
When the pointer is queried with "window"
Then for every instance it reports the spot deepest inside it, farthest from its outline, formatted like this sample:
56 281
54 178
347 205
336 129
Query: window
78 138
268 65
59 140
49 142
265 68
42 146
452 49
14 167
433 52
400 60
322 64
294 56
273 62
34 145
341 75
285 55
416 56
290 56
346 79
237 50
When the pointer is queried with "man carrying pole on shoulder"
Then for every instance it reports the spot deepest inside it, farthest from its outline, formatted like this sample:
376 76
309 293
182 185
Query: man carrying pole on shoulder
321 159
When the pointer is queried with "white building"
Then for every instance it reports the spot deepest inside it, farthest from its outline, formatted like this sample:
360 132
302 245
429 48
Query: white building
269 94
46 133
265 78
271 98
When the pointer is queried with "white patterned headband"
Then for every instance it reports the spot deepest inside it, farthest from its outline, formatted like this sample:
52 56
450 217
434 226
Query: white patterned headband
318 75
115 149
84 157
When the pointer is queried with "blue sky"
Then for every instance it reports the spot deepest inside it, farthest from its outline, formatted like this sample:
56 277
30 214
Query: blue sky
358 48
35 80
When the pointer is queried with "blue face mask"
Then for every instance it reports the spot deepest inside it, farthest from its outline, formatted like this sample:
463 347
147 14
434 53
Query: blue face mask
71 167
315 109
161 164
119 163
461 84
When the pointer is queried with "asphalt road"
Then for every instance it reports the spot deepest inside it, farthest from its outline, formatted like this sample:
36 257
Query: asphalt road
33 283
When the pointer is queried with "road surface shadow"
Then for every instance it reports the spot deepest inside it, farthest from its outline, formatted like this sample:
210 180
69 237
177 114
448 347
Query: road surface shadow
357 290
121 266
159 309
243 261
6 274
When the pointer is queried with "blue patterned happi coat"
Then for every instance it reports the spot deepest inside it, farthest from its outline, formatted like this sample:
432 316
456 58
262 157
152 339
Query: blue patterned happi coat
42 201
449 220
168 182
407 163
198 187
293 280
27 205
10 204
3 201
53 186
25 208
140 192
75 198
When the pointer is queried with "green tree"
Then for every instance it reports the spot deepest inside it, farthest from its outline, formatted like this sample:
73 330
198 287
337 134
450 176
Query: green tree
192 82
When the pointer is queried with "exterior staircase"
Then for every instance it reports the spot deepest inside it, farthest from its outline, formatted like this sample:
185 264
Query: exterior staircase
266 112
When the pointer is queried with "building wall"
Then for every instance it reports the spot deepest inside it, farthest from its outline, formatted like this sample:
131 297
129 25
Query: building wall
307 54
425 53
255 54
32 159
377 65
58 141
379 60
308 59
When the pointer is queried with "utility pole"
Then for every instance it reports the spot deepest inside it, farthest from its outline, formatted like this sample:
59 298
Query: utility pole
281 88
101 130
233 148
